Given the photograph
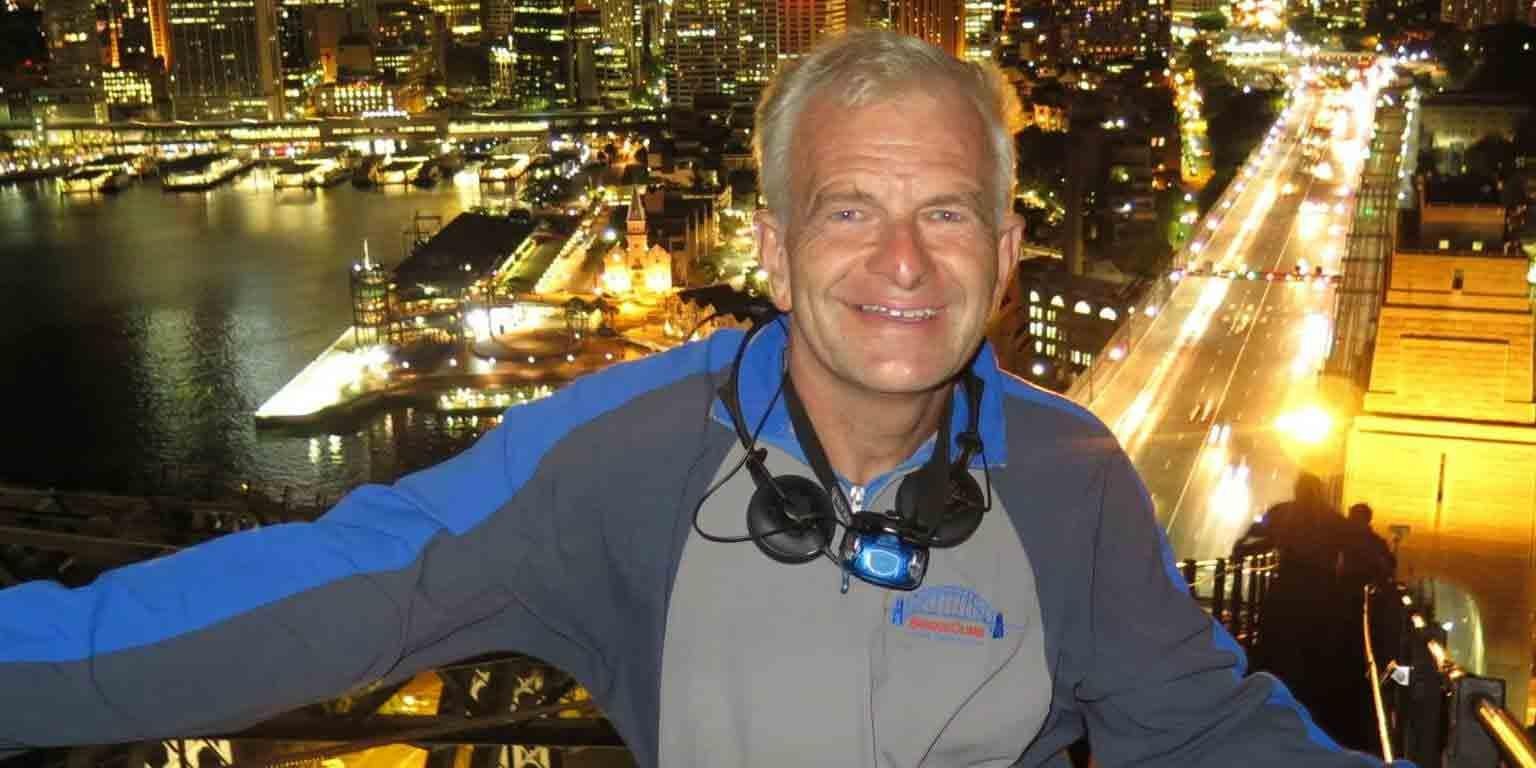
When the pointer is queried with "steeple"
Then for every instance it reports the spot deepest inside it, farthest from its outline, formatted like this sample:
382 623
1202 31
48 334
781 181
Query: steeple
635 226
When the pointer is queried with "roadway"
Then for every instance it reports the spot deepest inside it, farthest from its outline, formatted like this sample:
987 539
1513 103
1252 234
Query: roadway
1218 403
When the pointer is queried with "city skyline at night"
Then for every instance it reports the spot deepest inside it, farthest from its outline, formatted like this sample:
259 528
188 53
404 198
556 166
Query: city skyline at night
262 252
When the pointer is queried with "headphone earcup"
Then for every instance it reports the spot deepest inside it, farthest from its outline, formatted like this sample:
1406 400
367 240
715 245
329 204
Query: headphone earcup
792 536
962 514
962 510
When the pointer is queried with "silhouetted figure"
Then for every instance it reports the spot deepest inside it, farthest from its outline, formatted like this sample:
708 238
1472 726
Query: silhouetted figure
1367 558
1309 630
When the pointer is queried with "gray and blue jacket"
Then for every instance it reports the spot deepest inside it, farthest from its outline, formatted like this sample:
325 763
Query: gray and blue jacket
566 534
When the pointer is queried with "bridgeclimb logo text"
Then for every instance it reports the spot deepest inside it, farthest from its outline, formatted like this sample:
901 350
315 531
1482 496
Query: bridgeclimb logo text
948 612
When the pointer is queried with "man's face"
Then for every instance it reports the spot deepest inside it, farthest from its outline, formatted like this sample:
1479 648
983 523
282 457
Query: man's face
890 263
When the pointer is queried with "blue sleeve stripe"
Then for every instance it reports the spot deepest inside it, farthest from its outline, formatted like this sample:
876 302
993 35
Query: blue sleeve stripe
1279 695
375 529
1019 388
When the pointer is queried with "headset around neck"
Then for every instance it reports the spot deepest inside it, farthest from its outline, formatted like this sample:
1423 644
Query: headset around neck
793 519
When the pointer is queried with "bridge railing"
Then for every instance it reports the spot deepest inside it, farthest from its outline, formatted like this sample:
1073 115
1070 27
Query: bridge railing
1232 590
1427 708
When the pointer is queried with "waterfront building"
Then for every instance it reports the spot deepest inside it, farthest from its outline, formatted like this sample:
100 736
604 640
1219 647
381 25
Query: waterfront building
359 98
225 59
69 105
134 93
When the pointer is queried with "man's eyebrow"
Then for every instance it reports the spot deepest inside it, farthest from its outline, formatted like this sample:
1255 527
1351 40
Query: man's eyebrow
830 197
971 200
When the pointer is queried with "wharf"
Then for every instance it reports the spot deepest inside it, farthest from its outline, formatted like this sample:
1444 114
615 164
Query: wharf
484 377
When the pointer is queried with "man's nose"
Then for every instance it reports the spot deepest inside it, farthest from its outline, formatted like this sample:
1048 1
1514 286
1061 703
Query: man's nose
903 257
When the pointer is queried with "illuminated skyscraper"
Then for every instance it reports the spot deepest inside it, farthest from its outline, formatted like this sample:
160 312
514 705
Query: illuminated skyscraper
463 17
74 48
225 59
722 47
495 20
705 50
759 20
804 23
614 80
411 43
586 35
307 32
937 21
543 48
619 21
129 35
981 29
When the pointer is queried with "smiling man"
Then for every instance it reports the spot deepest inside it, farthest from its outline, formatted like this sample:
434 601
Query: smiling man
844 538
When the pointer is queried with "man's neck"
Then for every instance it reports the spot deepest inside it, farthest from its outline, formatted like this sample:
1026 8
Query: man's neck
866 435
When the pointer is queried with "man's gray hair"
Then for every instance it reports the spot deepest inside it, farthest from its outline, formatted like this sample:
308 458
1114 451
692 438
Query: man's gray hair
866 66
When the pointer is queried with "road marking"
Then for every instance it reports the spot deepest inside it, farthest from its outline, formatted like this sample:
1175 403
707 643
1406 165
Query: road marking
1178 504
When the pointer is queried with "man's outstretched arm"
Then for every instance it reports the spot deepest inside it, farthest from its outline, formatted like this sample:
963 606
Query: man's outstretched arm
238 629
1166 685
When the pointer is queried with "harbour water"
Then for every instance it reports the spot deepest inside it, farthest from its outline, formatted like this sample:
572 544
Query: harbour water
141 330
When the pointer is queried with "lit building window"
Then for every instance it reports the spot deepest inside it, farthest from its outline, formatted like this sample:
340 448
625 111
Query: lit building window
1108 313
1082 308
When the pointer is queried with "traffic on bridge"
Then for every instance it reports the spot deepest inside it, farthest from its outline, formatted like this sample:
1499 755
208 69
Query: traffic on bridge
1218 405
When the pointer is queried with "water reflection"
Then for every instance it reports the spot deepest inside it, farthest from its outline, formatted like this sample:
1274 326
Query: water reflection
145 327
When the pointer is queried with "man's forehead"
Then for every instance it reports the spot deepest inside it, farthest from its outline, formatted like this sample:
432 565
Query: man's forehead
875 184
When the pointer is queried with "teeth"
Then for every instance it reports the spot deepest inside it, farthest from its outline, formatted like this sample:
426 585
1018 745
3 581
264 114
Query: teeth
903 314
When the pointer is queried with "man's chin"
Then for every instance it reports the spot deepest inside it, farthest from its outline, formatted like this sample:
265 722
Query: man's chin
904 379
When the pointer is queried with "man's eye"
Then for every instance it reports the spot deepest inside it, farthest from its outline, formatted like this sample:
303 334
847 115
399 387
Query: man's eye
847 214
947 216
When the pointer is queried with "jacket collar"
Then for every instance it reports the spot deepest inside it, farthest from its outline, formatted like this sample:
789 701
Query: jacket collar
762 368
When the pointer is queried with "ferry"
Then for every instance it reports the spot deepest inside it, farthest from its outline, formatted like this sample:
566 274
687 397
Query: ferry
325 168
202 171
109 174
406 169
504 166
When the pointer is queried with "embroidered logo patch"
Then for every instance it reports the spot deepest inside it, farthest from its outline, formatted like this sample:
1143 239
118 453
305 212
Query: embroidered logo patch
948 612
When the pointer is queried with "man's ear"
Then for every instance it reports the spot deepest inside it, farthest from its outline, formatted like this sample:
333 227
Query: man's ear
773 253
1009 238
